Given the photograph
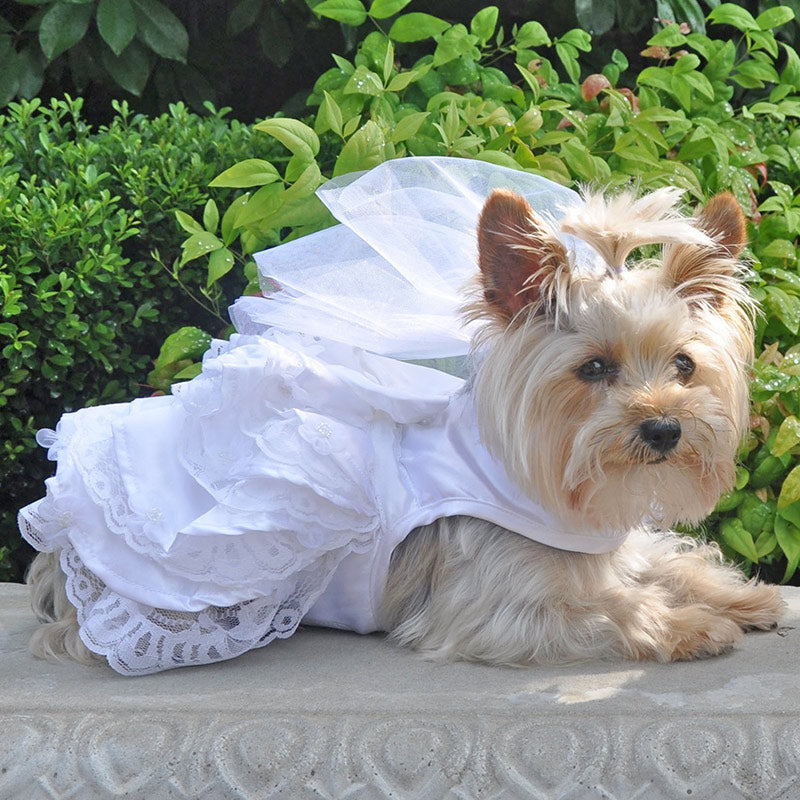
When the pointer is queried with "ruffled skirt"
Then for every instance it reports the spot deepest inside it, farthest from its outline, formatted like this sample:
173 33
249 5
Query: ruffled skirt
197 526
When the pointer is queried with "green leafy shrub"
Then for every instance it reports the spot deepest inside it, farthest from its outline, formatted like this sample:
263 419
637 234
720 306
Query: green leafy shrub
160 51
712 114
84 304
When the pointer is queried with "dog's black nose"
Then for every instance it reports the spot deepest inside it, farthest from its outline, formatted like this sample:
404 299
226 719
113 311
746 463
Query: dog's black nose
661 433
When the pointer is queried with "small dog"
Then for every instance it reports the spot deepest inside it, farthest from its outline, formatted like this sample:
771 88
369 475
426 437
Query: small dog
617 401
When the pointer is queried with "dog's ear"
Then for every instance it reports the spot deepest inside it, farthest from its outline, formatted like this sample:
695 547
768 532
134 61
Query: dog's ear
518 255
704 272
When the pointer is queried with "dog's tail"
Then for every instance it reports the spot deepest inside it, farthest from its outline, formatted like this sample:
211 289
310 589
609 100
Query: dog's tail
56 639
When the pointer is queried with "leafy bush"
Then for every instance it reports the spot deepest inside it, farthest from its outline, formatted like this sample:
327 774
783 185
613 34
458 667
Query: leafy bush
711 114
84 305
158 51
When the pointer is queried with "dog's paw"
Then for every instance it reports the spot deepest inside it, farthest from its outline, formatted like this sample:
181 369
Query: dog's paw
758 606
696 632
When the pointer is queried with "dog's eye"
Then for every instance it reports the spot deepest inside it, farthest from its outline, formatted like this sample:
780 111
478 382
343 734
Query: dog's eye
597 369
684 364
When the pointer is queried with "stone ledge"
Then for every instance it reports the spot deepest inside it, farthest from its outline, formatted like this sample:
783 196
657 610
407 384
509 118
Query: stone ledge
328 714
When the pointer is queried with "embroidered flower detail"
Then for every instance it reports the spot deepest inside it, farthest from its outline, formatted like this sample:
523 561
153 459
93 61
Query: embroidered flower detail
320 435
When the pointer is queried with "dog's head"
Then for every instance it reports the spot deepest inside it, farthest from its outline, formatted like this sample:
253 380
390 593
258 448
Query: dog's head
619 397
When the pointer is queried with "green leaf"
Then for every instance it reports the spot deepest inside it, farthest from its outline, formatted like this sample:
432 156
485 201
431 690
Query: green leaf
737 17
344 65
791 513
531 34
220 263
774 17
452 44
364 81
186 222
686 64
529 122
62 27
790 490
658 77
595 16
569 58
199 244
256 208
791 72
580 40
416 26
10 68
766 542
349 12
296 201
381 9
737 538
408 126
484 23
788 436
187 373
757 71
230 226
788 536
275 36
210 216
329 116
742 477
131 68
116 23
691 12
188 342
670 36
243 16
296 136
364 150
755 515
785 307
161 30
404 79
779 248
578 158
250 172
679 87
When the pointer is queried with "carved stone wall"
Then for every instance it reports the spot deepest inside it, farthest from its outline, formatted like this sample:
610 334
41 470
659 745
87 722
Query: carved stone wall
334 715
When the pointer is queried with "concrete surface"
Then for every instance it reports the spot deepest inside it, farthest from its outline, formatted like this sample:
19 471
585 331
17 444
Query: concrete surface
330 715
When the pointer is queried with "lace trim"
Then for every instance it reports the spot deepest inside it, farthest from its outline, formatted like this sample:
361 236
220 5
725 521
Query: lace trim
293 489
139 640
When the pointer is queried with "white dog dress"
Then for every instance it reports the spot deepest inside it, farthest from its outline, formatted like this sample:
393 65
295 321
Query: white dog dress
273 488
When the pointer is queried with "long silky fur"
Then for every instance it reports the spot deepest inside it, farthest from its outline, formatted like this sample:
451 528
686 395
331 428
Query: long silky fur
463 588
56 638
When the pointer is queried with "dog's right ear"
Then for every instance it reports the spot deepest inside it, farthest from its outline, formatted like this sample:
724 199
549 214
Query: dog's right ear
519 257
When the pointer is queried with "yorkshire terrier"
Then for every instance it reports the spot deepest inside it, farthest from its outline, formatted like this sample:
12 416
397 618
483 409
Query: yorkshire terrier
617 401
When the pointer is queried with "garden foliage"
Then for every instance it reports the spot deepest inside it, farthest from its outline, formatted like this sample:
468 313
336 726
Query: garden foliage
159 51
85 305
710 114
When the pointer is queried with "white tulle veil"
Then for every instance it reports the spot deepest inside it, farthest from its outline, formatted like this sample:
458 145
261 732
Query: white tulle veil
391 277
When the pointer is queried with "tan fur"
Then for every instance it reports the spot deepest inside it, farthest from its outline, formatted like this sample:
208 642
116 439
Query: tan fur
465 588
56 638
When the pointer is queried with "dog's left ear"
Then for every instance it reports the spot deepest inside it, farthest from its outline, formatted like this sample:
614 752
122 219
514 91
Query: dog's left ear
702 272
519 257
